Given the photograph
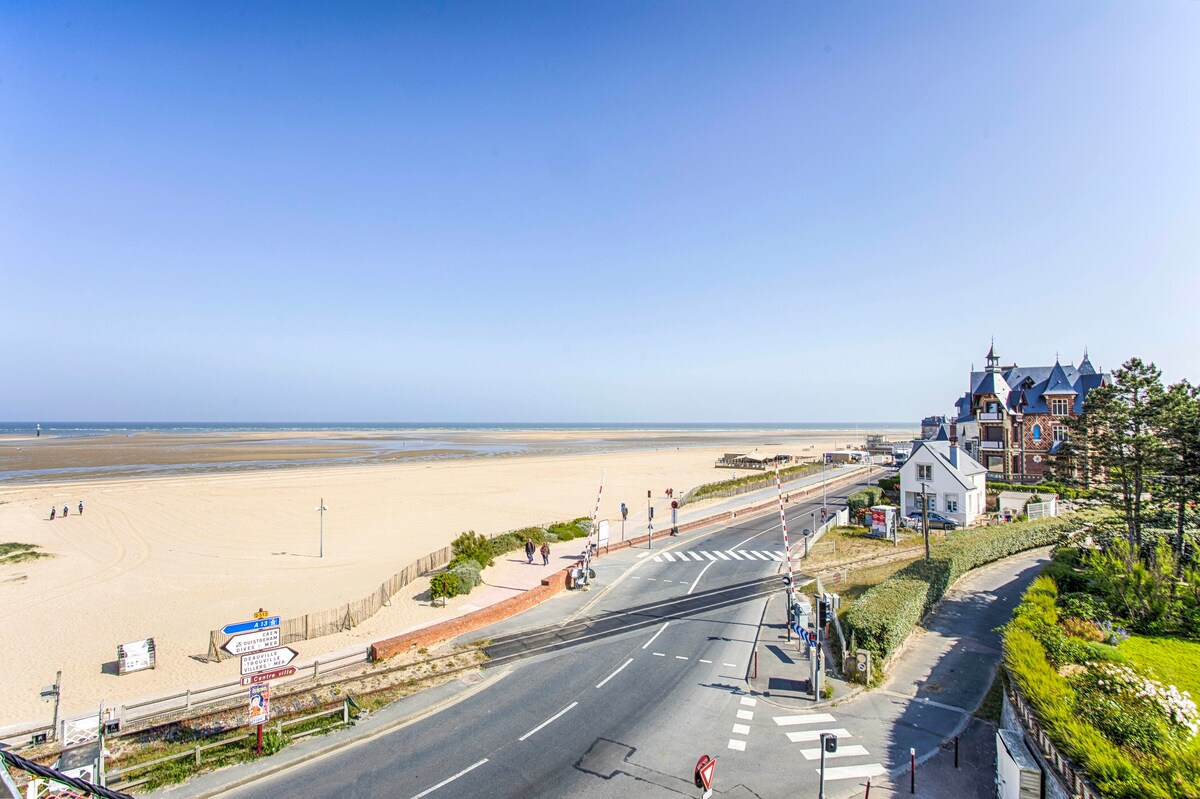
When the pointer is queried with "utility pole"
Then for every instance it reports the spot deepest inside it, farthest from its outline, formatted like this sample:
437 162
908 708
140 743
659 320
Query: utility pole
925 519
321 509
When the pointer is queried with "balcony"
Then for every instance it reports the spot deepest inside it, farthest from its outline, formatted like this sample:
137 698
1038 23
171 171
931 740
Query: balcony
995 416
991 444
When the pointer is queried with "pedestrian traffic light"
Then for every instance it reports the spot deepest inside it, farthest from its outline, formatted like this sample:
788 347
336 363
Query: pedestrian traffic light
830 742
822 612
651 512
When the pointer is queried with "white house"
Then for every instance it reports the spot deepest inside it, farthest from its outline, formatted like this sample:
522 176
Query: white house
955 483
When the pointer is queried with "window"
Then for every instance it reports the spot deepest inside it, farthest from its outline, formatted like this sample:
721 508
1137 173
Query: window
1037 432
1060 407
1060 432
924 471
952 503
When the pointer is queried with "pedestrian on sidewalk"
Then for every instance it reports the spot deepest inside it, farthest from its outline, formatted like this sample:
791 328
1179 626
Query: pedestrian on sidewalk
529 550
545 554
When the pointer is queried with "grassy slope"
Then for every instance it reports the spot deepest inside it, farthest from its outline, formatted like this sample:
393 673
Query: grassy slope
1173 660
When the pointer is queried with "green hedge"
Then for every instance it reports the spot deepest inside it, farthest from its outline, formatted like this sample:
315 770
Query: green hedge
1063 491
865 498
884 616
755 480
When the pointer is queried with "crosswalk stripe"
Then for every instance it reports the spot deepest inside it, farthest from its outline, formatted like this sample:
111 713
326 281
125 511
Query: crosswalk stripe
853 772
734 555
741 729
734 743
695 556
708 555
658 559
775 556
722 556
815 735
853 750
667 556
808 718
747 554
761 555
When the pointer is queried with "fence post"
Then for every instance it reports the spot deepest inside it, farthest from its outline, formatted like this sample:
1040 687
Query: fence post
197 755
189 699
346 712
315 664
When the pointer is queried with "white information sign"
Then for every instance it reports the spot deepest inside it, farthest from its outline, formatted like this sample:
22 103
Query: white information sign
136 655
603 533
244 643
270 659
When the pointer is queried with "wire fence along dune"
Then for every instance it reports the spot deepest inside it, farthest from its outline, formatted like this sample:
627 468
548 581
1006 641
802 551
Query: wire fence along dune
342 617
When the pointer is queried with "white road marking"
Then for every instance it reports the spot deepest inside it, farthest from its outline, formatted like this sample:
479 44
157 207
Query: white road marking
667 581
749 701
708 555
734 555
706 661
730 665
449 780
722 556
660 629
746 715
659 654
756 535
547 721
680 657
808 718
741 729
643 555
736 744
634 577
747 554
698 576
775 556
852 772
652 579
853 750
658 558
667 556
615 673
815 735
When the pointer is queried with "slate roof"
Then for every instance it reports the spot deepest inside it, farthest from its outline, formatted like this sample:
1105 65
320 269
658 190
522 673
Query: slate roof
1032 382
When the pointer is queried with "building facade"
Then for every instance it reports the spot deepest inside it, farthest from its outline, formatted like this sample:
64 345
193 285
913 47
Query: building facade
950 480
1014 418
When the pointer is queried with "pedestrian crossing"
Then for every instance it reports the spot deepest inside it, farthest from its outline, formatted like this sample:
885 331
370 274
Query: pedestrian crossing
688 556
807 728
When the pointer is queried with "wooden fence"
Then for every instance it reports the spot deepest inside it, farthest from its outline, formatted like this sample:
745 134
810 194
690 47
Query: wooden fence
342 617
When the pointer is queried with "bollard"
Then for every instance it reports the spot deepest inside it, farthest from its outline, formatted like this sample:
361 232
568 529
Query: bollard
956 751
912 770
867 795
756 663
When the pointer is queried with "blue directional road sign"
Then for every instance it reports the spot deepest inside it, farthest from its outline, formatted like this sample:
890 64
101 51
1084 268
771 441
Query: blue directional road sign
250 626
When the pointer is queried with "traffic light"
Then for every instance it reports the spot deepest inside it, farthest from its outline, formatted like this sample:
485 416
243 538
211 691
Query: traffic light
830 742
822 612
651 512
787 580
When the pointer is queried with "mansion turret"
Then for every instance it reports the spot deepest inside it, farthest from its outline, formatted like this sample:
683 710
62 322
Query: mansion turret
1014 418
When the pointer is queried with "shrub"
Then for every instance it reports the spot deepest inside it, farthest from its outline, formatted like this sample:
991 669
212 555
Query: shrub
443 585
505 543
1084 629
472 546
891 484
467 575
865 498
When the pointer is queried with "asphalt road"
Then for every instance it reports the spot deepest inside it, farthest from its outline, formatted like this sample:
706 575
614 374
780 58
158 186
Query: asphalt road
612 693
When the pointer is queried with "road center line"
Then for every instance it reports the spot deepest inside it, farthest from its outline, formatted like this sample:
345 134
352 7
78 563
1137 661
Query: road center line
615 673
543 724
698 576
449 780
660 629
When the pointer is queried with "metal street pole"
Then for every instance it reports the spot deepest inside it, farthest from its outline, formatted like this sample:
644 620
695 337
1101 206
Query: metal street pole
649 523
57 699
321 509
925 519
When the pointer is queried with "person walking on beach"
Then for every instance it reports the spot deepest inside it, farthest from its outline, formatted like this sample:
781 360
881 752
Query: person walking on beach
545 554
529 550
64 511
81 507
52 512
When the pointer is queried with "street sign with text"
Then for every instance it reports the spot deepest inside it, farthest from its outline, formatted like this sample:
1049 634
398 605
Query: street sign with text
268 660
245 643
250 626
264 676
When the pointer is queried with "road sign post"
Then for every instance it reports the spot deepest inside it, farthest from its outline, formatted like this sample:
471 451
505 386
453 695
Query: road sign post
245 643
706 767
250 626
267 660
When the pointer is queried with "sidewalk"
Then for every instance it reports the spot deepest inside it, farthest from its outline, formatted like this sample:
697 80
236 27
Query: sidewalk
937 777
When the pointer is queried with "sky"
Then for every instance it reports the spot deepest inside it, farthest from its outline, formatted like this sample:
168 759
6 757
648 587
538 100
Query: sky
594 212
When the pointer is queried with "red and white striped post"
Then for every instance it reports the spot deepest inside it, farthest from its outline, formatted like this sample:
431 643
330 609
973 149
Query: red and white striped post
595 513
787 551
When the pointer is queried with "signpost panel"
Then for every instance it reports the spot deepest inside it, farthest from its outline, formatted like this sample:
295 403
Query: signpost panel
245 643
264 676
267 660
260 705
250 626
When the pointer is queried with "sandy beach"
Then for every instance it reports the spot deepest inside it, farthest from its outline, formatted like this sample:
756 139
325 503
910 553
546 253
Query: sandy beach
173 557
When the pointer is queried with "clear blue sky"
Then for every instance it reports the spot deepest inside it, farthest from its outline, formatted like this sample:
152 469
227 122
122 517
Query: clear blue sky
586 211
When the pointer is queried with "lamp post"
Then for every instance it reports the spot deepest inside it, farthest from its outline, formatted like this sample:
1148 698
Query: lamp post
321 510
1020 418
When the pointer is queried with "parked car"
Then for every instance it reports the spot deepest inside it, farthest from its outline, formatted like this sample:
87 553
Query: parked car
936 521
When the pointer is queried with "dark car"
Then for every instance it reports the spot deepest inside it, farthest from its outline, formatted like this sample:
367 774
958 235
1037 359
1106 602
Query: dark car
936 521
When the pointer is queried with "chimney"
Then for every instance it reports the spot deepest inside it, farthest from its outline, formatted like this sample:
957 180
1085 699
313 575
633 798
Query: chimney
954 451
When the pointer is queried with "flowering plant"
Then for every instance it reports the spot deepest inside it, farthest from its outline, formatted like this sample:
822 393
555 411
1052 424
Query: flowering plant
1131 708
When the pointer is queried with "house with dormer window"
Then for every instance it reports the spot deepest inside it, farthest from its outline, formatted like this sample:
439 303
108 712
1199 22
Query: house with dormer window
1014 418
945 478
